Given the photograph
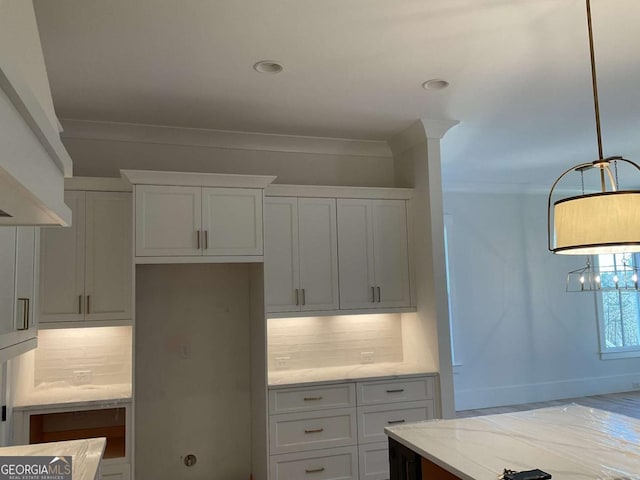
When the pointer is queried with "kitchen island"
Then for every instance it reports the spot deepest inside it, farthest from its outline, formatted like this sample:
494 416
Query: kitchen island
569 442
86 454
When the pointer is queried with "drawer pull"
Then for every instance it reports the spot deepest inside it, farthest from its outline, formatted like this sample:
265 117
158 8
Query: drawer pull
314 470
316 430
399 390
394 422
310 399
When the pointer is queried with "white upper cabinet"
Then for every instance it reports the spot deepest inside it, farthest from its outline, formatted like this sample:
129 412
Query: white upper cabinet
27 254
232 221
62 266
197 217
318 240
86 269
7 278
301 259
281 259
373 254
390 253
355 236
18 272
168 221
108 262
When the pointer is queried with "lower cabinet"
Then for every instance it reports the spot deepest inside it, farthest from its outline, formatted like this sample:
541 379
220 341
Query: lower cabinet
336 431
59 422
326 464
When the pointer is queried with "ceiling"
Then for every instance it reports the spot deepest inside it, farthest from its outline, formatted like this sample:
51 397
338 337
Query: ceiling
519 73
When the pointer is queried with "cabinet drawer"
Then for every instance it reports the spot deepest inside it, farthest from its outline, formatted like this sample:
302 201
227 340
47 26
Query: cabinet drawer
372 420
295 432
373 461
302 399
409 390
329 464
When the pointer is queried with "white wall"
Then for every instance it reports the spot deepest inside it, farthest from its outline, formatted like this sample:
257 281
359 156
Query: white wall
518 335
192 371
20 47
105 158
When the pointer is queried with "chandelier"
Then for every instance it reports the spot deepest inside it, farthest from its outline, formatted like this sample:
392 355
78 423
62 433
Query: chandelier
604 222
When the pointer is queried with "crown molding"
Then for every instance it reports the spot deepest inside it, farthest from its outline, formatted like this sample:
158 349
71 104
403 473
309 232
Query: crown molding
200 137
321 191
506 188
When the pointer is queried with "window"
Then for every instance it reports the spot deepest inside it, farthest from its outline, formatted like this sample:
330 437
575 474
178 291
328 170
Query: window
618 310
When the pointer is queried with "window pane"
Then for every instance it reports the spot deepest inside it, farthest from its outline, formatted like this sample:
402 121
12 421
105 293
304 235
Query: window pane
621 309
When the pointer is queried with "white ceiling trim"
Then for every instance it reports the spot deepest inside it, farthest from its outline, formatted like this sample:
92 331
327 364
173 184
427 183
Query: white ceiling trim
507 188
157 134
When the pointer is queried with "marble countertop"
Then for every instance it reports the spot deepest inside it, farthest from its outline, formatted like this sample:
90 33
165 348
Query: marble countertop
57 395
346 373
86 454
570 442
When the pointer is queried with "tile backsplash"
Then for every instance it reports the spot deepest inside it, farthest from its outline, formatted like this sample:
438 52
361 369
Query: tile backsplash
97 356
315 342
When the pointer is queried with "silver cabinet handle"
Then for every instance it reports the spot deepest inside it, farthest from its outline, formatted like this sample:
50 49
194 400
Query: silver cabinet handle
88 303
297 299
398 390
304 297
206 239
315 430
309 399
314 470
394 422
198 239
373 294
25 313
80 304
378 294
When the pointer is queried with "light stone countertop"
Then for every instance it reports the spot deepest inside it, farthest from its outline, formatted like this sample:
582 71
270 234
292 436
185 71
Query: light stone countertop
346 373
69 395
86 454
570 442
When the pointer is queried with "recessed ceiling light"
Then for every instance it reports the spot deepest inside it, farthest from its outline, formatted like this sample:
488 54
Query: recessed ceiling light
267 66
435 84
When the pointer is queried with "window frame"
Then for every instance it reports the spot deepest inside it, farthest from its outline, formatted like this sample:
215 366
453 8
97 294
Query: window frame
612 353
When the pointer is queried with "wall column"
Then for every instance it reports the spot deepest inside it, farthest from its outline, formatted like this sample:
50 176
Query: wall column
417 165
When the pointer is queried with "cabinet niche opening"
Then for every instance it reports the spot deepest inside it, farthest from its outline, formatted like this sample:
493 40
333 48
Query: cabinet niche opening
57 427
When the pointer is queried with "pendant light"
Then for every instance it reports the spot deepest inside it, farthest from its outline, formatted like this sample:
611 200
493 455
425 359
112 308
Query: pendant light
596 223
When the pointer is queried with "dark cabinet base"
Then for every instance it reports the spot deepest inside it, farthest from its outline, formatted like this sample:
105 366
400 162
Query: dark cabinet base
405 464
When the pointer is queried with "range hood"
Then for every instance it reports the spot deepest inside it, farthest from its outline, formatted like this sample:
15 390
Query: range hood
33 161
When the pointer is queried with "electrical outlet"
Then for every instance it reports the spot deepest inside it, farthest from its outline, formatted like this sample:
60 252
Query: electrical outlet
366 357
82 377
282 362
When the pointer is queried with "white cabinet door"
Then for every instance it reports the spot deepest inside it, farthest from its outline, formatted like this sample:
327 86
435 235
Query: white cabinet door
391 257
281 266
7 279
168 221
232 221
318 242
62 266
26 278
355 254
108 256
